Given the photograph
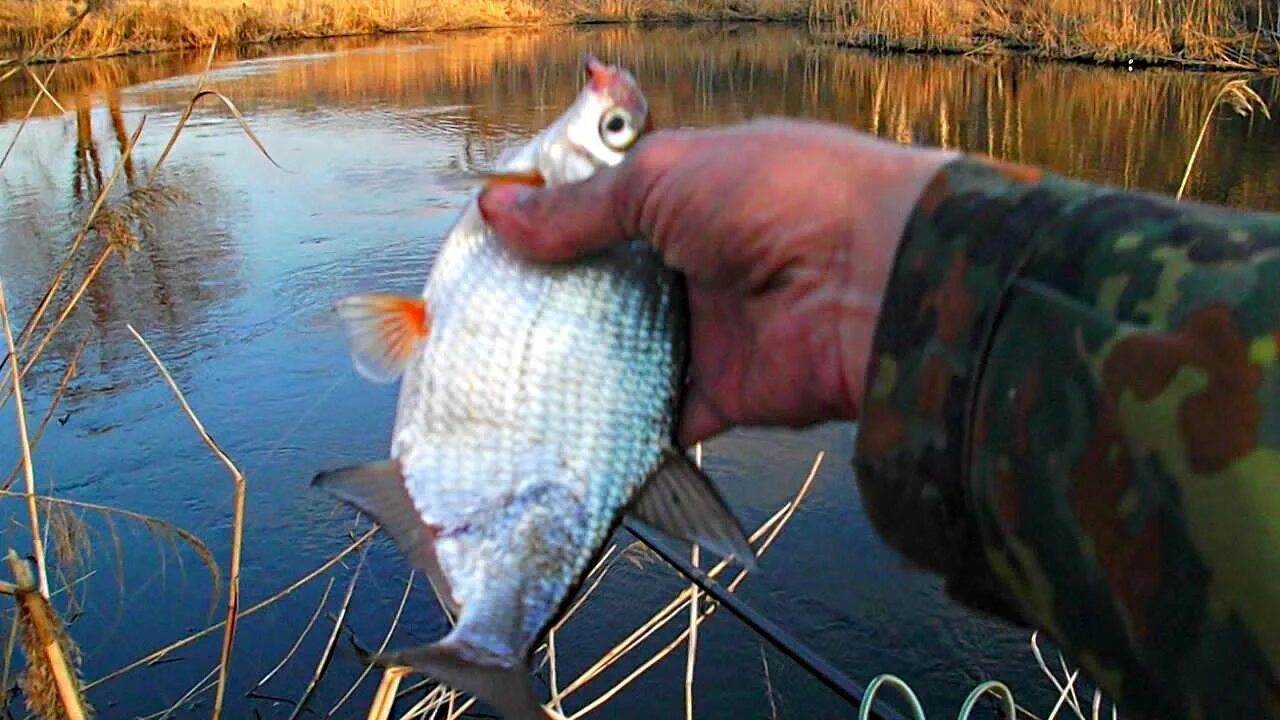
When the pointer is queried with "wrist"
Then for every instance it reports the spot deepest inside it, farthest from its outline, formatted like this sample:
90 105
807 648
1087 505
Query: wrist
890 182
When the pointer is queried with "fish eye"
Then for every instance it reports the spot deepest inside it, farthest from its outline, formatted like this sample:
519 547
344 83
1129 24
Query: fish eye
618 129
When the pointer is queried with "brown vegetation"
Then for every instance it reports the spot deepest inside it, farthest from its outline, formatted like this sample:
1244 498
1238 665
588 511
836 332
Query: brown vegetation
123 26
1216 33
1220 33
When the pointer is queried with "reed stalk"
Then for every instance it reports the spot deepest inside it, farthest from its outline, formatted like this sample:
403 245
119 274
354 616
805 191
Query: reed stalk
24 442
386 640
692 659
45 647
35 102
385 696
51 289
237 523
297 642
279 595
1240 97
326 656
67 373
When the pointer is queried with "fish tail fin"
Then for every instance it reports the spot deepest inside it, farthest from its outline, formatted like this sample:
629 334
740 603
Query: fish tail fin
503 682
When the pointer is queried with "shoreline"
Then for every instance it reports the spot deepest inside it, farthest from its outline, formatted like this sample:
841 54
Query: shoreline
823 32
672 14
10 60
1091 58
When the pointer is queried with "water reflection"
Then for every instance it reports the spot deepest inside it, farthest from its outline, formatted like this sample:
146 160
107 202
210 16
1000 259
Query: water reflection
1132 128
169 257
232 285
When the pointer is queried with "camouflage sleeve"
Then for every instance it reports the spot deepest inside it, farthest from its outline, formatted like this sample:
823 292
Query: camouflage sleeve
1073 415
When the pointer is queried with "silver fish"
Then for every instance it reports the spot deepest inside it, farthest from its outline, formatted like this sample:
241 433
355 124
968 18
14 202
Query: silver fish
537 407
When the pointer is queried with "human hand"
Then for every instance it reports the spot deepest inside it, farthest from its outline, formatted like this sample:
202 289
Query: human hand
786 233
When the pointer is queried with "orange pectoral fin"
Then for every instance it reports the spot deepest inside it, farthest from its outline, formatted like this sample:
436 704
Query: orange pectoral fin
383 331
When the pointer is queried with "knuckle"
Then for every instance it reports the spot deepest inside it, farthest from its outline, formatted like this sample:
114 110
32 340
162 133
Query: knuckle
647 171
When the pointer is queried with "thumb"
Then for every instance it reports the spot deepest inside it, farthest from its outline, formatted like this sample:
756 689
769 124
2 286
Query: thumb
556 223
700 420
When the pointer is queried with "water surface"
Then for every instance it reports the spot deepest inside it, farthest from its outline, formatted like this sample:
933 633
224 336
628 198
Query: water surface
232 284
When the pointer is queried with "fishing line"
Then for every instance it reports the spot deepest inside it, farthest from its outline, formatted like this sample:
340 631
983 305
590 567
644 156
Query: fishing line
812 662
301 419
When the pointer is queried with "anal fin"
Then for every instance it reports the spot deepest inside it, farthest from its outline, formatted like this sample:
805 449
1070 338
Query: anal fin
681 501
503 682
378 490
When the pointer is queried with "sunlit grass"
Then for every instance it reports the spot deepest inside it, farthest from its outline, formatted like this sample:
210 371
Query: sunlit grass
146 25
1219 32
1225 33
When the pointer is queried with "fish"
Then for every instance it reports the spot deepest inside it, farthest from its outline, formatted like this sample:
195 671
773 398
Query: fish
536 411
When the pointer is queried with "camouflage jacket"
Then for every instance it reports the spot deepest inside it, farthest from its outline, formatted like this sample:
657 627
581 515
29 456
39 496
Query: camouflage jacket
1073 415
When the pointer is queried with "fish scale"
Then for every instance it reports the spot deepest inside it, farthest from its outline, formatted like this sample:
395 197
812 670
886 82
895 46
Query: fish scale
537 406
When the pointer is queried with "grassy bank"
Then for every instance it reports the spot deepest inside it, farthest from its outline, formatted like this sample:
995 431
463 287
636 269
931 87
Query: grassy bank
1217 33
1214 33
124 26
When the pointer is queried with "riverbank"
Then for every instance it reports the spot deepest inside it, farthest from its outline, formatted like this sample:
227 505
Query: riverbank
1203 34
119 27
1209 34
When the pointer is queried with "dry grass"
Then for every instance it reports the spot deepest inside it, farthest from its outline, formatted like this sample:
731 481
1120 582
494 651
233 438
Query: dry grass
52 683
123 26
1242 99
1219 33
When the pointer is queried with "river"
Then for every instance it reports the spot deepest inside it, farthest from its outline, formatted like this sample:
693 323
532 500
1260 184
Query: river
232 284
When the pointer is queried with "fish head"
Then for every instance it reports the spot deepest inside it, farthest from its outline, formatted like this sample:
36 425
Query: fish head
607 118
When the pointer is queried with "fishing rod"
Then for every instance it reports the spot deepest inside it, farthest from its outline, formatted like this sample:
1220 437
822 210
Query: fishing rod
815 664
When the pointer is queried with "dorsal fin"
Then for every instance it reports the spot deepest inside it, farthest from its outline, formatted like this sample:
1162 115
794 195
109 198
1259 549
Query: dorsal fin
680 501
384 331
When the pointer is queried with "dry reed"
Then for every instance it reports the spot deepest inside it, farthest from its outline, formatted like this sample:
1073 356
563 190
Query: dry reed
279 595
386 640
67 373
51 683
129 26
237 524
157 527
1214 33
297 642
1241 98
120 225
692 658
37 542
